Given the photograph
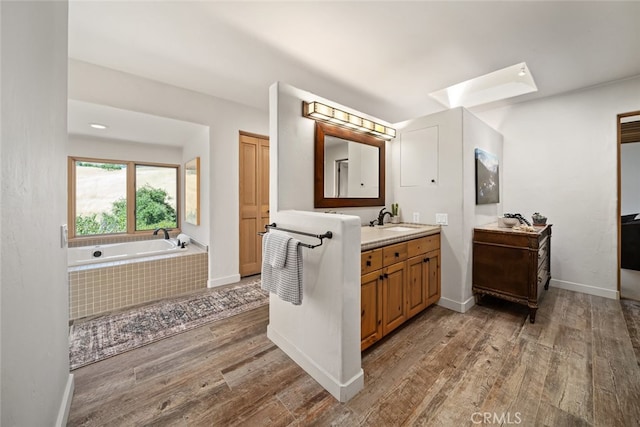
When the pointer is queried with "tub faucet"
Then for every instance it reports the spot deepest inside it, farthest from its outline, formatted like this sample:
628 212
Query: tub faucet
166 233
381 216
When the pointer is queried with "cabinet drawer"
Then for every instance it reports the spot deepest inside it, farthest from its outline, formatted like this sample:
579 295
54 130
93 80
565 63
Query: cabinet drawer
423 245
394 253
543 251
370 261
543 275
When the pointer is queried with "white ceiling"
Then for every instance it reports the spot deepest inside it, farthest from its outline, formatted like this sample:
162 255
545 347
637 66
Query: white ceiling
381 58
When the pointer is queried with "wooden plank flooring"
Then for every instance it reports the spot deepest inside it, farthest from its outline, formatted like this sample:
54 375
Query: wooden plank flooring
575 366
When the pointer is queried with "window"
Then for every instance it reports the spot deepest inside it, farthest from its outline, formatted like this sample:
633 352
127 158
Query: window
108 197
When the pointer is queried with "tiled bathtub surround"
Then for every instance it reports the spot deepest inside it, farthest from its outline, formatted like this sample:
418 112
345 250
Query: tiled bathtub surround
104 287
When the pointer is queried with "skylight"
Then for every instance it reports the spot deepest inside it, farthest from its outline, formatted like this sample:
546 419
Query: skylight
502 84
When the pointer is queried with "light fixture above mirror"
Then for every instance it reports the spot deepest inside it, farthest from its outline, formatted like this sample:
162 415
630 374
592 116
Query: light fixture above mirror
325 113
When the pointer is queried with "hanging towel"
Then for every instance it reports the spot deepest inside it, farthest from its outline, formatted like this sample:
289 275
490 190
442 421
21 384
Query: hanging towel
274 248
285 282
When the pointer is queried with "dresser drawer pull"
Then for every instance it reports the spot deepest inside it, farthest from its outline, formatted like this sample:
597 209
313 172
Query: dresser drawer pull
368 263
397 254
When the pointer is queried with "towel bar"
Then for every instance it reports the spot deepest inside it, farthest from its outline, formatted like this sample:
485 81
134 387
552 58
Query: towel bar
327 235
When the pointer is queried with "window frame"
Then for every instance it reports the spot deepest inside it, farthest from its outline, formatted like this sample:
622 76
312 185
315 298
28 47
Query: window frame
130 196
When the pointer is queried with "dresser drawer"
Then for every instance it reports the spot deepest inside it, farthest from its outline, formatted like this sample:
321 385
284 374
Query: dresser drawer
543 251
423 245
394 253
370 261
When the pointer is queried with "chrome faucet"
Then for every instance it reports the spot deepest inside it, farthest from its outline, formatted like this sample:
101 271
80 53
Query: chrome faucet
381 216
166 233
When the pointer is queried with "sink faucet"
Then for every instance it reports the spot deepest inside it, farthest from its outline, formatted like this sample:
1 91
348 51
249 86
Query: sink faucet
166 234
381 216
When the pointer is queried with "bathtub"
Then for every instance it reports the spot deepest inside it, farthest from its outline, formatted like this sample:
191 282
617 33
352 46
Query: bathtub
84 255
110 277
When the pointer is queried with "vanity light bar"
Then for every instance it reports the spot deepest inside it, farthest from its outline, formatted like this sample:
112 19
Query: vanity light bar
319 111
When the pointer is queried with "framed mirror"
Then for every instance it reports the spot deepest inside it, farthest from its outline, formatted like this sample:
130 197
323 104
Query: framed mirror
192 191
349 168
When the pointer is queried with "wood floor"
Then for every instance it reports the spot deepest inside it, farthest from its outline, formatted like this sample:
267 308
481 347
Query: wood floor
575 366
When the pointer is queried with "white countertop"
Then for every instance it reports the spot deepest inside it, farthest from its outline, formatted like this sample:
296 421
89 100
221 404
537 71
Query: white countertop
382 235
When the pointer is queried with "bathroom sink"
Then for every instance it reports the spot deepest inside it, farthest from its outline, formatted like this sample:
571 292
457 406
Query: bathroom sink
399 228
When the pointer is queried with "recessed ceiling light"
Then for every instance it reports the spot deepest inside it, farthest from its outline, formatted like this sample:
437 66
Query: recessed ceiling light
498 85
97 126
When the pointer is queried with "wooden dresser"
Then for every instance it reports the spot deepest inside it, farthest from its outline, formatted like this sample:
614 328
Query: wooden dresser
512 265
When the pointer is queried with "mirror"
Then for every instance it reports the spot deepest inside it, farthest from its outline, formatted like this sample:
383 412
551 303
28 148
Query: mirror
349 168
192 191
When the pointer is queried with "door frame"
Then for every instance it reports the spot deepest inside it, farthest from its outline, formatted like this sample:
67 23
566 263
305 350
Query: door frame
619 147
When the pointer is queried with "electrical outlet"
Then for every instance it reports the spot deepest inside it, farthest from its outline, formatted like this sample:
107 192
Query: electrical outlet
442 219
416 217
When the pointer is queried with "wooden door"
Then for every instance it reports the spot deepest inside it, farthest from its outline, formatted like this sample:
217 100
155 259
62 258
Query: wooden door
371 309
254 200
417 282
433 287
393 297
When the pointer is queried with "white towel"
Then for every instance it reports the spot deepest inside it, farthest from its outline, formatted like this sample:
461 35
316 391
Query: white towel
274 248
286 282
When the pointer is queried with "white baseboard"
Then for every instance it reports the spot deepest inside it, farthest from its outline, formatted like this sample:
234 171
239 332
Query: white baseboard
65 405
220 281
585 289
341 391
460 307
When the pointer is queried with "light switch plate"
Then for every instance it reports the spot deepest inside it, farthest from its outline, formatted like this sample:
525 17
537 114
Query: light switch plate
442 219
64 236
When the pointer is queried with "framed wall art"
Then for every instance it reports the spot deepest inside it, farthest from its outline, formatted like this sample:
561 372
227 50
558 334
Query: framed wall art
487 178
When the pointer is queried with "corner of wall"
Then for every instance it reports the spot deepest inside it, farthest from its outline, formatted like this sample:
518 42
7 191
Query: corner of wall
65 405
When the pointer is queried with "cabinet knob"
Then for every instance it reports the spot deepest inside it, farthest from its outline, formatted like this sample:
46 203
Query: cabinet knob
386 275
425 260
381 277
368 263
362 313
397 254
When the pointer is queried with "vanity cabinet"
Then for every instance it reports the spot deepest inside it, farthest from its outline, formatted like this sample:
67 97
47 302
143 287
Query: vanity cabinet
398 281
512 265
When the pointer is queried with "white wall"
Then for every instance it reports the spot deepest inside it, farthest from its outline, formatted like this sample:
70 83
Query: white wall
104 148
630 177
198 146
36 386
322 334
477 134
295 152
459 133
560 156
225 119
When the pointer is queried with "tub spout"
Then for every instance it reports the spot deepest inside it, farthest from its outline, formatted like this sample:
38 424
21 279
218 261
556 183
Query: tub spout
166 233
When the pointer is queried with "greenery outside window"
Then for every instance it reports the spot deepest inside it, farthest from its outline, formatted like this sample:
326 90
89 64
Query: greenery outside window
111 197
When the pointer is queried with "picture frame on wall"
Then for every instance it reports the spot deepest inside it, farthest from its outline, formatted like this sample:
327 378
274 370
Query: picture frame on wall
192 191
487 178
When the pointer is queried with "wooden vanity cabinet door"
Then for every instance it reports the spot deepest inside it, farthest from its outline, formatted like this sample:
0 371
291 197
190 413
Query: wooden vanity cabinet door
433 277
417 284
393 296
371 309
